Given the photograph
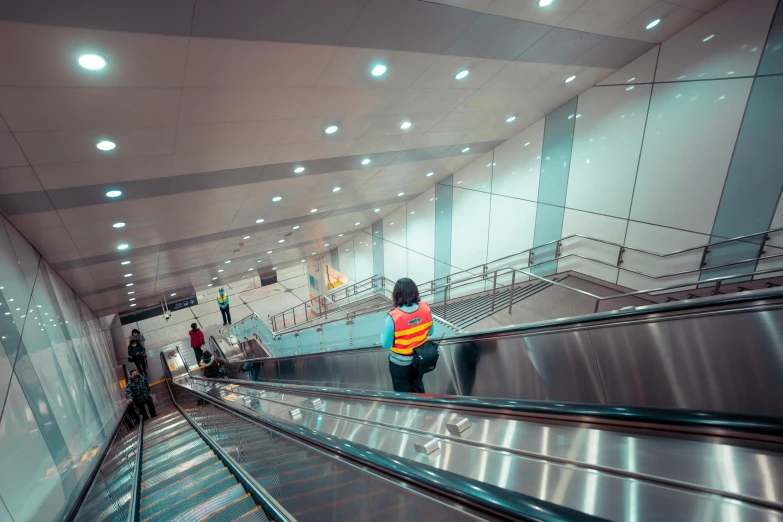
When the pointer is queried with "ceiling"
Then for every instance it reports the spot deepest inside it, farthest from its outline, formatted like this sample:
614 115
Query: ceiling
214 104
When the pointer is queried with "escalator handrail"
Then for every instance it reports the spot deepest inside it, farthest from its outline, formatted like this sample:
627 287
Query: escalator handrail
95 469
259 494
764 425
510 504
134 504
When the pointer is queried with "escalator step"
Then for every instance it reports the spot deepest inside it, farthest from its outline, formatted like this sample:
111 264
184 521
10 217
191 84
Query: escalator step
174 472
209 506
193 447
197 498
191 480
232 511
175 461
254 515
205 484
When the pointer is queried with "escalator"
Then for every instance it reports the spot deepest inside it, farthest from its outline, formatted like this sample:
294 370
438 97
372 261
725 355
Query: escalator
182 479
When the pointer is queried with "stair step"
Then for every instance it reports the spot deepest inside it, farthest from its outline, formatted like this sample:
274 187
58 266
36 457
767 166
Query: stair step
198 499
234 511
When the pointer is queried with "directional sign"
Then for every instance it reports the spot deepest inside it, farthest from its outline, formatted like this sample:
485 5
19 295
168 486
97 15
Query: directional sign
183 303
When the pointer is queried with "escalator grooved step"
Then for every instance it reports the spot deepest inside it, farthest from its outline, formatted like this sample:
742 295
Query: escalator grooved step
148 482
232 511
202 509
195 472
195 499
255 515
151 501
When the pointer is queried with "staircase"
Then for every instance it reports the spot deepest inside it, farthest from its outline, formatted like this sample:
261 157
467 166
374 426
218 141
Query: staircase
464 312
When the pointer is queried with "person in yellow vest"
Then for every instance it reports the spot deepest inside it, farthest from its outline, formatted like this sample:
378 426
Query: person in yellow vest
222 301
407 327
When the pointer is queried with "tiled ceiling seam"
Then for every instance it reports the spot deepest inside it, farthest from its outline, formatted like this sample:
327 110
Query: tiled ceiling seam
238 232
372 24
73 197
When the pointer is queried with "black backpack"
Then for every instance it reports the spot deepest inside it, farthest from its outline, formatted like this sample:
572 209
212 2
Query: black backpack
425 357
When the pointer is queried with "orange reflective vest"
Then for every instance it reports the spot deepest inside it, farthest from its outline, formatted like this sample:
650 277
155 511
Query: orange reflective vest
410 329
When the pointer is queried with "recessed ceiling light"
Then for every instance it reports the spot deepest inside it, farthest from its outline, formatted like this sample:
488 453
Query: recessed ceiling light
462 74
106 145
570 79
377 210
710 37
131 293
228 261
629 88
465 149
92 62
129 284
277 198
114 194
430 174
246 237
125 263
339 235
401 194
295 227
405 125
302 261
544 3
336 189
259 260
221 270
356 224
214 278
326 244
366 161
510 119
274 268
119 225
133 304
123 246
172 295
210 284
631 79
127 275
260 220
312 210
281 241
269 252
378 70
331 129
653 23
299 170
249 269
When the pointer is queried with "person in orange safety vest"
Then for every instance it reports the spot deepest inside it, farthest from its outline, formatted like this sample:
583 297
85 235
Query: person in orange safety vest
407 327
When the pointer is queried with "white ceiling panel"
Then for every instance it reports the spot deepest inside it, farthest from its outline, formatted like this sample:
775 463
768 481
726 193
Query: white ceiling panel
373 144
107 170
674 19
37 220
49 109
529 11
312 129
215 62
441 74
328 148
51 55
704 6
222 104
605 16
337 102
351 66
522 75
230 135
437 139
208 161
473 5
428 101
110 213
391 125
68 146
10 153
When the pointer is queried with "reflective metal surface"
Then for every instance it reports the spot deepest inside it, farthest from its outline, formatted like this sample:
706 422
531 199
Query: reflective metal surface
723 360
613 475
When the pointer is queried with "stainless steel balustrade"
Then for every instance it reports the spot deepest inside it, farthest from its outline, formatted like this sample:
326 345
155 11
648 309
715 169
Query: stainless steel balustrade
599 469
721 354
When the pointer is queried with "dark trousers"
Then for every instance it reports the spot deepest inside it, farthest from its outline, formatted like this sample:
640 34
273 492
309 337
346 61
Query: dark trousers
406 378
141 365
199 353
150 406
226 313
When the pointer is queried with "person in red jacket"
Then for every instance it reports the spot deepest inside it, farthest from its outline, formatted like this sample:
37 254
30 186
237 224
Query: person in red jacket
196 341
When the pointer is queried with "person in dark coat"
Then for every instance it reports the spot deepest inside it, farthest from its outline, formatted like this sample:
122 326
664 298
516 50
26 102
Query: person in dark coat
212 365
138 392
197 341
138 355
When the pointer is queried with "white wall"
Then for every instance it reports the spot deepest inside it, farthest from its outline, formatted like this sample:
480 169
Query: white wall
651 152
